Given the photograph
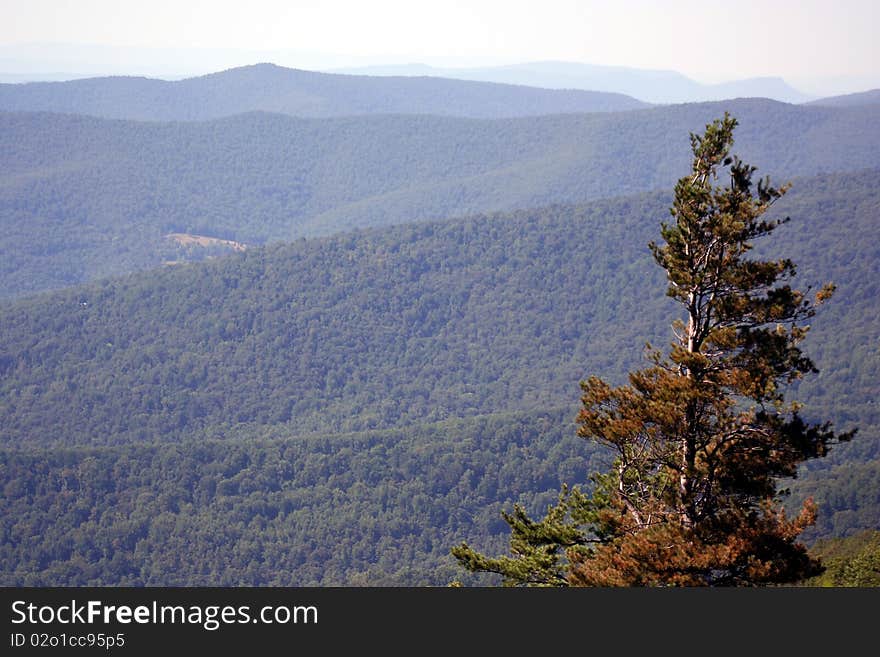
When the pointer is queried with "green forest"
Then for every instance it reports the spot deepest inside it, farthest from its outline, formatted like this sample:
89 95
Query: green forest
261 508
343 410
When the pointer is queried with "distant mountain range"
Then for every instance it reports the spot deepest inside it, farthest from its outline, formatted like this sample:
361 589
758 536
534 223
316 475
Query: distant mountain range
266 87
653 86
501 92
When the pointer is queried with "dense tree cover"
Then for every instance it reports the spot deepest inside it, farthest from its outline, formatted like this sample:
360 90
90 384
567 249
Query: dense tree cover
261 508
382 330
270 88
374 508
415 323
365 330
700 436
83 198
850 561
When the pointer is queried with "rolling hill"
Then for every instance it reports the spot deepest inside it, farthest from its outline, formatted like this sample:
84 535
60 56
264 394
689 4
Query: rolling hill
270 88
82 198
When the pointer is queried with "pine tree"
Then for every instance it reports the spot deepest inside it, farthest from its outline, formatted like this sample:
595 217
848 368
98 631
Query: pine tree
540 549
701 436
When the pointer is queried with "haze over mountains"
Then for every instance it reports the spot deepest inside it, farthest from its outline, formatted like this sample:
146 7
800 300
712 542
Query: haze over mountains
342 409
519 90
59 61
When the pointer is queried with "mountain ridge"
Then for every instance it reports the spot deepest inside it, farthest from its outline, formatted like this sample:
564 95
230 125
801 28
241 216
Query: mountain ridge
297 92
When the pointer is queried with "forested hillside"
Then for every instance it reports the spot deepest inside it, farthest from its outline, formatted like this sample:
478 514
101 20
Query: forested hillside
82 198
416 323
271 88
378 508
343 410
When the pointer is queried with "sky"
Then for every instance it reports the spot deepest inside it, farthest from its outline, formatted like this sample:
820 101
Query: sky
708 40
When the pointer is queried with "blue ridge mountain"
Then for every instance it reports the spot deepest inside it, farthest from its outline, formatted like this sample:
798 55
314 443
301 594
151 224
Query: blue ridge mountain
271 88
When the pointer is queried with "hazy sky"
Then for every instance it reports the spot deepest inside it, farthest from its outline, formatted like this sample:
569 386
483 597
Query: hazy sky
706 39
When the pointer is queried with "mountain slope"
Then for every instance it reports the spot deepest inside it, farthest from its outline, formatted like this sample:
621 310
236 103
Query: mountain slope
418 323
266 87
82 198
